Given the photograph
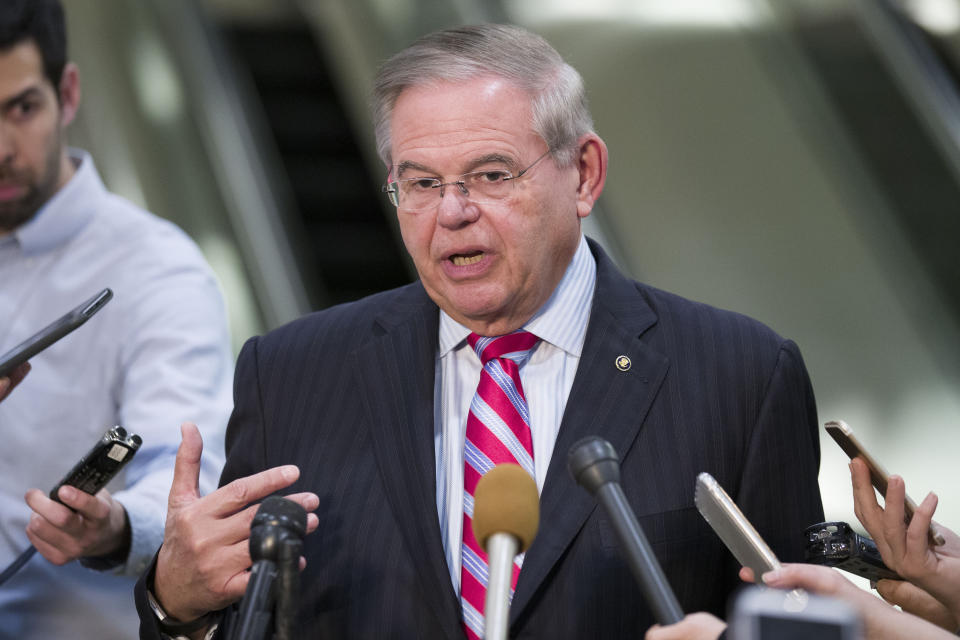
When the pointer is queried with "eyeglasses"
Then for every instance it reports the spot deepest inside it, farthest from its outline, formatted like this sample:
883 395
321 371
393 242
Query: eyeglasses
491 185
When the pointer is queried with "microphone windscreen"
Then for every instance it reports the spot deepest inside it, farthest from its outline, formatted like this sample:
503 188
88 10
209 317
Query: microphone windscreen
506 501
283 512
593 462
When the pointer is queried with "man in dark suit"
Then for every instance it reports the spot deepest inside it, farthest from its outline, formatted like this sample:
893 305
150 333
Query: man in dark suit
492 163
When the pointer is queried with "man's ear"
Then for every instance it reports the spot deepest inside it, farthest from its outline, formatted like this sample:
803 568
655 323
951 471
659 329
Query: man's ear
69 93
592 165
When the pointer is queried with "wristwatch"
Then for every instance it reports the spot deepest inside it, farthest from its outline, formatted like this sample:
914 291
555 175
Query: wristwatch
174 629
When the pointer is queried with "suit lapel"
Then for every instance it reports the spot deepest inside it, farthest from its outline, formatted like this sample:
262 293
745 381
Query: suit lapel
604 401
397 368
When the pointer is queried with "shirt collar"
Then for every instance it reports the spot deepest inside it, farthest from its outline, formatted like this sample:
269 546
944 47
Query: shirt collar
66 212
561 321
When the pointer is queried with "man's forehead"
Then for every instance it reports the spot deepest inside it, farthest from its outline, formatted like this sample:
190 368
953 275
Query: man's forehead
21 69
462 124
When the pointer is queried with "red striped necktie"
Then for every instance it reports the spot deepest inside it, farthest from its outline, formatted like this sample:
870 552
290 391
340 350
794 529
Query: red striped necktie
498 431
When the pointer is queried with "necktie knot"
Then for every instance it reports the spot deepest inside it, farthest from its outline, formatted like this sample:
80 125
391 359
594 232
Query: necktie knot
515 346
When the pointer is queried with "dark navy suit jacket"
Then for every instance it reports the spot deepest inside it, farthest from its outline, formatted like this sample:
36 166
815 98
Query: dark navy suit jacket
347 395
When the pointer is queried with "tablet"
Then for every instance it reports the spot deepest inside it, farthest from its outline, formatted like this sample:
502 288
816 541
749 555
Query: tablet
52 332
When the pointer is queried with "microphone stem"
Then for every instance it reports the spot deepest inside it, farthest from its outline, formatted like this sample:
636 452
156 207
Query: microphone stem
640 555
501 549
256 608
288 587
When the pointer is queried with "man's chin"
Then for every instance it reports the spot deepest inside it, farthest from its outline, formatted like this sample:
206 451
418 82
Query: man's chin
12 218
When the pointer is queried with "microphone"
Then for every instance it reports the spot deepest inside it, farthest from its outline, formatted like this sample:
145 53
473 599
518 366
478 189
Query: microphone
506 514
595 466
276 538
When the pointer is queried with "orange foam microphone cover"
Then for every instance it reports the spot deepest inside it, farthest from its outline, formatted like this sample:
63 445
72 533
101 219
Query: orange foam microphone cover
506 501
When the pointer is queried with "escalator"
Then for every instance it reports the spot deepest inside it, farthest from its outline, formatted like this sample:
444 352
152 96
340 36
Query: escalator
343 240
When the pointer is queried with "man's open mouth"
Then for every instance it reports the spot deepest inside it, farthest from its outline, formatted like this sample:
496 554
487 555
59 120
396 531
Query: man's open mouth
462 260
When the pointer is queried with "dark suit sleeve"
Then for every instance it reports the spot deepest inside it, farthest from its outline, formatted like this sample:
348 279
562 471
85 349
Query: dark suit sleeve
149 625
778 491
149 629
245 443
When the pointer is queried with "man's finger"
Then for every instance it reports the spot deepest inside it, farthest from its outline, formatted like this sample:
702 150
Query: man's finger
186 468
306 499
83 503
236 586
865 503
915 600
240 523
57 514
894 530
309 501
814 578
18 374
242 491
918 536
7 383
40 529
48 551
238 556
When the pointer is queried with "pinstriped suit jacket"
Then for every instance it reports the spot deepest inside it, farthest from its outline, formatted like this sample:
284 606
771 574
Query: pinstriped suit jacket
347 395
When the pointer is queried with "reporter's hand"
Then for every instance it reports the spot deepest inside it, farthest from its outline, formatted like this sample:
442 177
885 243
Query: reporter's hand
202 564
695 626
7 383
915 600
880 620
905 548
95 526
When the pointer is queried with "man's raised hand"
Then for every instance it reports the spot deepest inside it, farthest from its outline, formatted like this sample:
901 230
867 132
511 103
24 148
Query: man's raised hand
202 565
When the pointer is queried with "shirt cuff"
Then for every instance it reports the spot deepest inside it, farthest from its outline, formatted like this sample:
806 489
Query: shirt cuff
115 559
146 533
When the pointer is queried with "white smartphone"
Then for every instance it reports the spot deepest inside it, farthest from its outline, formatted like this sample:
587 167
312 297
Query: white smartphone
726 519
843 436
772 614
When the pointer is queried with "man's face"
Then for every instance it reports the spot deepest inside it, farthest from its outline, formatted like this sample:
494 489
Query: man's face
31 136
490 266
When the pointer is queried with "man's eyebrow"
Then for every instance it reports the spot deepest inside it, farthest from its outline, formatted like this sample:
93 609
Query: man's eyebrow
491 158
408 165
29 92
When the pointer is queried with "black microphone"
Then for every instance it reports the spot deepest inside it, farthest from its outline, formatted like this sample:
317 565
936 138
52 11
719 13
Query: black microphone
595 466
276 537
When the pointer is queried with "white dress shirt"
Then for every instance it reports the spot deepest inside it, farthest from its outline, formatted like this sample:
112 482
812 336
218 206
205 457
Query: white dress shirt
561 325
156 355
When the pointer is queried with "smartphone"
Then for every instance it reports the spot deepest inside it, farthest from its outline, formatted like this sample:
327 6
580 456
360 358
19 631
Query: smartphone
773 614
726 519
835 544
52 332
107 457
843 436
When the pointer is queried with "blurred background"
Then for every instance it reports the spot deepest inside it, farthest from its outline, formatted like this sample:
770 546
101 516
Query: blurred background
794 160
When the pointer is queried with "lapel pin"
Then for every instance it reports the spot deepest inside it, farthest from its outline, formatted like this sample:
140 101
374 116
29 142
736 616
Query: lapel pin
623 363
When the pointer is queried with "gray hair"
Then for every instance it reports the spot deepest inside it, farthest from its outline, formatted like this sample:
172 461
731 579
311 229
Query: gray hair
558 100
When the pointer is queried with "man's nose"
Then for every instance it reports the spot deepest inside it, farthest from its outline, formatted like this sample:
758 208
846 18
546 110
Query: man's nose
456 209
